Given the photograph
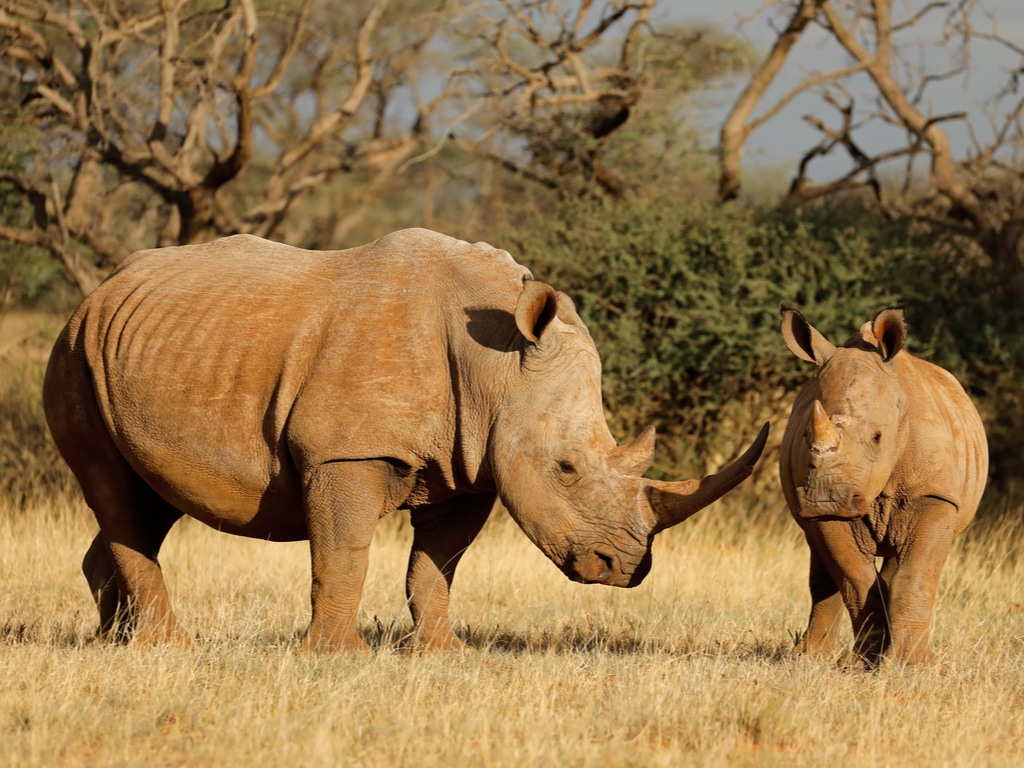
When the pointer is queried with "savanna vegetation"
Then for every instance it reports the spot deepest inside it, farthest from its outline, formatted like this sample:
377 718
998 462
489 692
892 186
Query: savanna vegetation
690 668
563 132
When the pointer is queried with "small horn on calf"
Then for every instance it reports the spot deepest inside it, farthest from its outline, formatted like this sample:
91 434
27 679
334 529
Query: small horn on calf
672 503
824 436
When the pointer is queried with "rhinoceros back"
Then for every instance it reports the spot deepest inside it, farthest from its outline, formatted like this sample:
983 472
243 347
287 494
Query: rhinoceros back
199 354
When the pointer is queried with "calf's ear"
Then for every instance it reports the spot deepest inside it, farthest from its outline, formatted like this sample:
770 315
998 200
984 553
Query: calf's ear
890 328
803 339
536 308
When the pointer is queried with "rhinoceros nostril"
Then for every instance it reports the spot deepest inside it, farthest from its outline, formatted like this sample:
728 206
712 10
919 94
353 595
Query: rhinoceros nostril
859 505
606 560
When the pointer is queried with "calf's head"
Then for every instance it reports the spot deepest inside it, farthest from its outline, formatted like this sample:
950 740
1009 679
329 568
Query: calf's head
850 415
578 496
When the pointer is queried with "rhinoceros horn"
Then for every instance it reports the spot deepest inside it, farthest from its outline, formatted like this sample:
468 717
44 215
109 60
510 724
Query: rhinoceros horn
671 503
634 457
824 437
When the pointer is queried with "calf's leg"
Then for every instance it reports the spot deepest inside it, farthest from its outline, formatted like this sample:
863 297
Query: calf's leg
913 579
821 638
844 550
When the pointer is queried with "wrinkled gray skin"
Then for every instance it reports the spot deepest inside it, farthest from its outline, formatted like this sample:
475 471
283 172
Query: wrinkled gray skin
287 394
884 456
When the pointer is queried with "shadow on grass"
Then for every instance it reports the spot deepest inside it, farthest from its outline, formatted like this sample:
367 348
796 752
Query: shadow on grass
395 637
54 634
570 640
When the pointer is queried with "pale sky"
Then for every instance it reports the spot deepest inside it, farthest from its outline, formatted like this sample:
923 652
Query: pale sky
781 142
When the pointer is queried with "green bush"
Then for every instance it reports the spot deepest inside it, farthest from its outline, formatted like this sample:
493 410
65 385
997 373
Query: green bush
683 302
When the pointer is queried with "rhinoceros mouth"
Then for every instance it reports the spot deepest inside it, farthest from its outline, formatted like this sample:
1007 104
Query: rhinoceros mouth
602 567
850 507
590 568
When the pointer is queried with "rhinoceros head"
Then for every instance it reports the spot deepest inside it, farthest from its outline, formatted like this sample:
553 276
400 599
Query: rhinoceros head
849 415
578 496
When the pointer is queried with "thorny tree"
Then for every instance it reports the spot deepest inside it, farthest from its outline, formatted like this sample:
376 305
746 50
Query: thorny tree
134 123
561 79
141 117
889 54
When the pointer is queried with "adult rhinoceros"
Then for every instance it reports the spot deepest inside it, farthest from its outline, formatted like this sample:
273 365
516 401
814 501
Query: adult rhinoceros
288 394
884 456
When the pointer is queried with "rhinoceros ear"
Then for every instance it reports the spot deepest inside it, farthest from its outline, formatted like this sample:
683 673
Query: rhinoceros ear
537 307
803 340
890 328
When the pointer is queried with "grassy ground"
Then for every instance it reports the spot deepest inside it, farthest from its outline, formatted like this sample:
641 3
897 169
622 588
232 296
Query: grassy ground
691 668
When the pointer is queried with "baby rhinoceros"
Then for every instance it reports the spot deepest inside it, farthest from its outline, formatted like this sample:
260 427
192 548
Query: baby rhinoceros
884 456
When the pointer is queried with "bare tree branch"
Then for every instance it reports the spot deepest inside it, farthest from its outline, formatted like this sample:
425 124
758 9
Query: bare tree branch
142 124
735 130
985 192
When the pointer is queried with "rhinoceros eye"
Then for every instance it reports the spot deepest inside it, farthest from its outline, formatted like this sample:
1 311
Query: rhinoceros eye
568 469
878 437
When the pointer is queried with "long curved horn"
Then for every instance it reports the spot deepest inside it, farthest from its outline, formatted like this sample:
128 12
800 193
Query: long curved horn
824 436
671 503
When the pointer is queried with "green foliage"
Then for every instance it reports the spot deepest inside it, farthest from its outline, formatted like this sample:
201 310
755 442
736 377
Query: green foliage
26 272
969 319
30 467
683 300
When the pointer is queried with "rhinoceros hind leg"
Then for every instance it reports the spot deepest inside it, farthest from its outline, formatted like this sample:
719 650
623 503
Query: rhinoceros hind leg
98 567
134 521
117 605
442 534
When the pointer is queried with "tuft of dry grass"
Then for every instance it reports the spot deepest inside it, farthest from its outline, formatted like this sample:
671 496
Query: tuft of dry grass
691 668
29 462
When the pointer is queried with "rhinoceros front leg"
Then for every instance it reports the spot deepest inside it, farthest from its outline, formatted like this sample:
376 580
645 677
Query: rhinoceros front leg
343 502
821 637
847 552
912 576
442 534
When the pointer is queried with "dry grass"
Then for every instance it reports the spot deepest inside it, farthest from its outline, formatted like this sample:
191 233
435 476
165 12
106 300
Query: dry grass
691 668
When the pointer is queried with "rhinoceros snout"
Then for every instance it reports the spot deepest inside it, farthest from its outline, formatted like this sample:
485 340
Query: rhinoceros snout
845 507
594 567
603 566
